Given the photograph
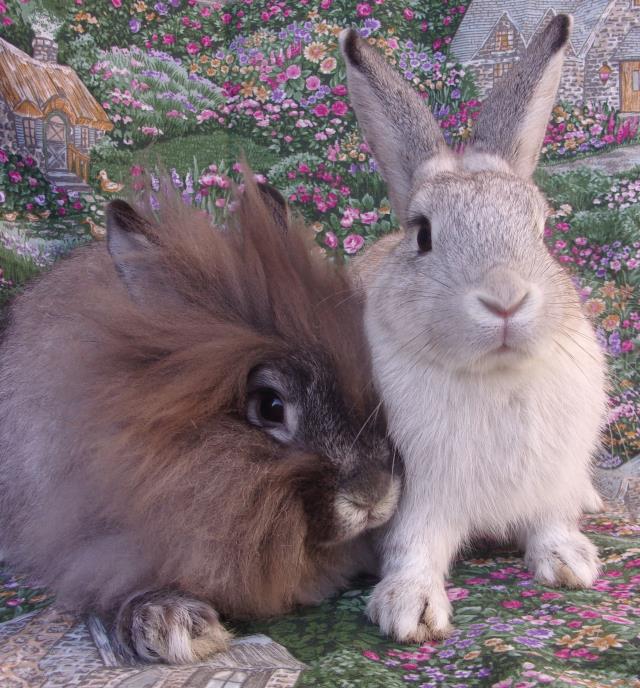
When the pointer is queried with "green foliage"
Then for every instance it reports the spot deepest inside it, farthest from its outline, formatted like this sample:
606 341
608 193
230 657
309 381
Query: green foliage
13 27
577 188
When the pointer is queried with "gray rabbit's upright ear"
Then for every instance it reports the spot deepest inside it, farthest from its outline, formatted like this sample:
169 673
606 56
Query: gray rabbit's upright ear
130 242
513 119
397 124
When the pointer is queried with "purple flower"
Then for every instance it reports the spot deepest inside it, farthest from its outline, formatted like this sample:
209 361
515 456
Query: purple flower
40 199
134 25
529 642
2 197
175 178
161 8
455 94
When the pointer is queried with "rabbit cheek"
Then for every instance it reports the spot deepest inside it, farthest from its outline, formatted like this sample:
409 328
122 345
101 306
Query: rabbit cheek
318 495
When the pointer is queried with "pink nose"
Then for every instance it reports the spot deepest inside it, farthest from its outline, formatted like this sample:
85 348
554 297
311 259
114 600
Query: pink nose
499 309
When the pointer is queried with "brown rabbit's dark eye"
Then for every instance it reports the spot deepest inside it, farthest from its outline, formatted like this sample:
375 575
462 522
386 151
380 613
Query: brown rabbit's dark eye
424 234
270 407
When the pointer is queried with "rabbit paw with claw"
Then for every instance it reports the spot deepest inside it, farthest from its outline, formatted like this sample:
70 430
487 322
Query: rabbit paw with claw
410 609
169 626
571 562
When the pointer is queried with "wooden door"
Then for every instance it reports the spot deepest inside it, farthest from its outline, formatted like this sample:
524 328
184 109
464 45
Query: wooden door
56 143
630 86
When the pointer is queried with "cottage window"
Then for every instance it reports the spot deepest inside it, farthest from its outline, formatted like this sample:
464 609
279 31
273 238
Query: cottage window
635 80
29 127
500 70
84 137
504 39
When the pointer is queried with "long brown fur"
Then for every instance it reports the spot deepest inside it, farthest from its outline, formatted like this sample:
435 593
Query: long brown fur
126 461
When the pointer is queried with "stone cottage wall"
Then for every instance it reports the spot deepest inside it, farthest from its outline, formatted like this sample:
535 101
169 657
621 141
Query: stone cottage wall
572 82
622 17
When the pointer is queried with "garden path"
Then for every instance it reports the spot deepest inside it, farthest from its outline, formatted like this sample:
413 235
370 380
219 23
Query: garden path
618 160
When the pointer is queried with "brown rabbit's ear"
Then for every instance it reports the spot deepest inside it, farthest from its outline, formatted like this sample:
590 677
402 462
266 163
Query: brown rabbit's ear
276 203
131 244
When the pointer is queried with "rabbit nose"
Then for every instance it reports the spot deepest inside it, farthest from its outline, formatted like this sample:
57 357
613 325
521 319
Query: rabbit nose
500 309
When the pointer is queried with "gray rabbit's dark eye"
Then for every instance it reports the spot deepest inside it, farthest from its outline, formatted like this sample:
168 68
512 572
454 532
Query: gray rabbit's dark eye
424 234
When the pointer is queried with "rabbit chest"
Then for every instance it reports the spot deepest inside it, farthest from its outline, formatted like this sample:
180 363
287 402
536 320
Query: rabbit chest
491 452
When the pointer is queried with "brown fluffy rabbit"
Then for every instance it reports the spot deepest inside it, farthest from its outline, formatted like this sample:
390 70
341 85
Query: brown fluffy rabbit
187 427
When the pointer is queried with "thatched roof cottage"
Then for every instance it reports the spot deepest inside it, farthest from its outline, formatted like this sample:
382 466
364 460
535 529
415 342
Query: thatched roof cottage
48 113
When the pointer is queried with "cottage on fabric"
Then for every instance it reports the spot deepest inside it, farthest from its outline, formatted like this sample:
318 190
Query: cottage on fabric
48 113
603 59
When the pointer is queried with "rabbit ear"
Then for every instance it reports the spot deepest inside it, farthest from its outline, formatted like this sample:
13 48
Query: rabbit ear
396 123
130 244
513 119
276 203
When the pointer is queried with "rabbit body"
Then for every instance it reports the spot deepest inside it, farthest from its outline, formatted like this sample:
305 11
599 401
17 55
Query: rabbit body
182 429
491 375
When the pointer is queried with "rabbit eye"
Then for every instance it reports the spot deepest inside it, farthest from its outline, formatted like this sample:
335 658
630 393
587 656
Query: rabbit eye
270 407
424 234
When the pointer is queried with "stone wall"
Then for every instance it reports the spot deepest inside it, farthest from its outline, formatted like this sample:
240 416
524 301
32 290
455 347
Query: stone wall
7 127
572 81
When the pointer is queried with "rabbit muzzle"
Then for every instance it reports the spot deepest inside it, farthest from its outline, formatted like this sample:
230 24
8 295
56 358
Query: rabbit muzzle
364 504
503 308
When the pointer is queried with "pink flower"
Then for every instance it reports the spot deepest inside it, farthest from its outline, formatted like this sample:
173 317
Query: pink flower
551 596
293 71
116 3
331 240
15 177
169 39
627 345
457 594
369 218
136 170
363 9
339 108
339 90
226 18
512 604
206 41
408 14
321 110
3 156
313 83
353 243
370 654
193 48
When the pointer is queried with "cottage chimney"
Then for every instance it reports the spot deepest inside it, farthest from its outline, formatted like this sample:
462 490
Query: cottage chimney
45 49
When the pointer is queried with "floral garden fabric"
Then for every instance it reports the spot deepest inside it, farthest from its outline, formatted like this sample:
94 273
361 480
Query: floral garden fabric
190 86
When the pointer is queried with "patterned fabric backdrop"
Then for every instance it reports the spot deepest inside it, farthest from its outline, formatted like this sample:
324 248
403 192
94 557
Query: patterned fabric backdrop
95 92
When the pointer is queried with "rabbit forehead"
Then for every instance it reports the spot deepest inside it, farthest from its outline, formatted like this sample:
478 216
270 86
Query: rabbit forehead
476 199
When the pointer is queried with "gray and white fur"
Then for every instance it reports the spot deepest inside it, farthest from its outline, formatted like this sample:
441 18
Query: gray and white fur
491 375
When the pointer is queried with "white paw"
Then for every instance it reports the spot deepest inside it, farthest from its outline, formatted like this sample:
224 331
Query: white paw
170 627
571 562
410 610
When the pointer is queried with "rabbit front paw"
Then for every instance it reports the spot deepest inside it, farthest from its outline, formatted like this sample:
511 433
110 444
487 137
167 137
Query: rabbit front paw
169 626
571 563
410 610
